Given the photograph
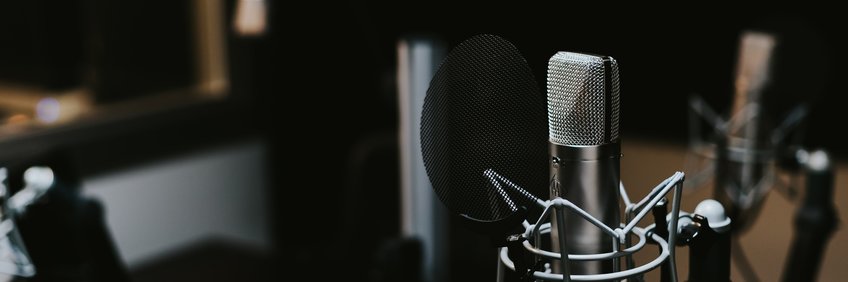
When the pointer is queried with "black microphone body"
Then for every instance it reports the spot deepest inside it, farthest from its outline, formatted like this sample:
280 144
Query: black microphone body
583 115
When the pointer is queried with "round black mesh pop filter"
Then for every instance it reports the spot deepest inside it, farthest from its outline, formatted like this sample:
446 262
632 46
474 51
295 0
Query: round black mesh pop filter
484 126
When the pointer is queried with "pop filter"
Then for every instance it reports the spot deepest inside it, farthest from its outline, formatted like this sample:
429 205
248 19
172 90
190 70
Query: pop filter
484 135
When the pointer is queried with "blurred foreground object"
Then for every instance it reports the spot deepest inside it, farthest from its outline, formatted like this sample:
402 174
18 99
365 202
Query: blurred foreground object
65 233
14 259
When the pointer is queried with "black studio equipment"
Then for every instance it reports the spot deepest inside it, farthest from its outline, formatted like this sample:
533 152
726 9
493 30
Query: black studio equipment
65 233
549 198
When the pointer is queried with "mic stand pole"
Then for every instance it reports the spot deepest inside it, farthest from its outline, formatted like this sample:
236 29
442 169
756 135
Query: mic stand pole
815 220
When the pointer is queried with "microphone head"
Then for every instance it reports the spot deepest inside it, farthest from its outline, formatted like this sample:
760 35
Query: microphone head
750 126
583 99
752 69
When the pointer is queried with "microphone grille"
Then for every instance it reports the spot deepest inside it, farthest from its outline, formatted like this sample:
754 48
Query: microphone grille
583 99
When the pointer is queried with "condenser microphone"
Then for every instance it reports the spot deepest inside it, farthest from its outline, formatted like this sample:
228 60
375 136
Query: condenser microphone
583 125
746 149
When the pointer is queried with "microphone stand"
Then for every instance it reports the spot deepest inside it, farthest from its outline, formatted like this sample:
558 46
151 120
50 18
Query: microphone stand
815 220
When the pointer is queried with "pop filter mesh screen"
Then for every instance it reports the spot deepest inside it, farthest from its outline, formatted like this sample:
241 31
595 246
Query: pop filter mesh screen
484 117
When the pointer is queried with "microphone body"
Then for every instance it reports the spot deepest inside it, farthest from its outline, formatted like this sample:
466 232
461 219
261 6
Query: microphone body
583 115
588 177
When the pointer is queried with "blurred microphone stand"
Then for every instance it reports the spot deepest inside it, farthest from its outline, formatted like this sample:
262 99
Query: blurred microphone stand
815 221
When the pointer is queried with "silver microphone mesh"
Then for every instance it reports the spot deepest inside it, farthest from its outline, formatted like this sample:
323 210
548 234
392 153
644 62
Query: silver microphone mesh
581 110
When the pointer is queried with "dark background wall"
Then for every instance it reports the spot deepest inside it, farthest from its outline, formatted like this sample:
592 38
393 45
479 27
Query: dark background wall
320 88
664 56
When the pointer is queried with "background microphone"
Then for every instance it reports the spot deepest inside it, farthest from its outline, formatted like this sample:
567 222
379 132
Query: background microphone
746 150
583 121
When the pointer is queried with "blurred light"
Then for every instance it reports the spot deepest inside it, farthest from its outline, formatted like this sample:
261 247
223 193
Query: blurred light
250 18
17 118
47 110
